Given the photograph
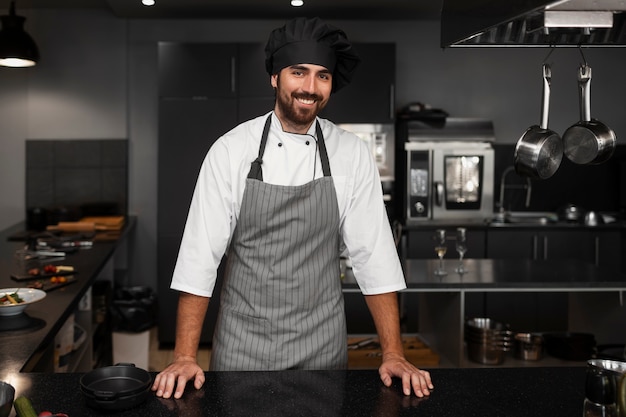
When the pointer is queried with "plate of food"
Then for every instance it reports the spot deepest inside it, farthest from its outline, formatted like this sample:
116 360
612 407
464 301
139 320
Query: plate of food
52 283
13 301
46 271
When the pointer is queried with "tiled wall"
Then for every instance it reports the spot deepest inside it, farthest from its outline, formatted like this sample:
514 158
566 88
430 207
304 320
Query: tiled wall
77 173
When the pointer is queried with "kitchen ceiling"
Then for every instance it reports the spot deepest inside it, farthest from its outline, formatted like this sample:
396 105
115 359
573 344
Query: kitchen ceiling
244 9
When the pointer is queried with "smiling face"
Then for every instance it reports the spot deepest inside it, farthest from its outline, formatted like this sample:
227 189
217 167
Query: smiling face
302 91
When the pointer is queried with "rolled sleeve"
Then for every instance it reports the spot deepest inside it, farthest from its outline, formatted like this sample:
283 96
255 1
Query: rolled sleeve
208 227
367 232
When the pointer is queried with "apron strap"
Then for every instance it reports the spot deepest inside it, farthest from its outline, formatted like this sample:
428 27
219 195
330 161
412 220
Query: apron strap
323 153
255 170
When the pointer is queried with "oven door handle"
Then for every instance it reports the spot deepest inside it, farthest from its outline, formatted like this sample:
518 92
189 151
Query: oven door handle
439 193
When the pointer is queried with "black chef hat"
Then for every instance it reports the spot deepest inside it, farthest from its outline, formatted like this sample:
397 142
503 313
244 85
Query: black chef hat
311 41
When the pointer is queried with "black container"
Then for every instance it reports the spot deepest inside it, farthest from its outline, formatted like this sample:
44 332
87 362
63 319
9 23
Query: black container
36 219
570 346
116 387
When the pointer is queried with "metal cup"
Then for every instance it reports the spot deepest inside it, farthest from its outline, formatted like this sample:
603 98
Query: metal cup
7 394
604 384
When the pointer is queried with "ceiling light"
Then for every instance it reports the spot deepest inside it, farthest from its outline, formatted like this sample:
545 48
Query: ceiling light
147 2
17 48
297 3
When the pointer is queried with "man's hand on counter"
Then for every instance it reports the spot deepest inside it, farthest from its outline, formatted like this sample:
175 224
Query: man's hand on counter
397 366
176 376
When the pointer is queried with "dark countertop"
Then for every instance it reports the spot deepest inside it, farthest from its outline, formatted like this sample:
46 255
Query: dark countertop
506 274
510 392
486 274
25 337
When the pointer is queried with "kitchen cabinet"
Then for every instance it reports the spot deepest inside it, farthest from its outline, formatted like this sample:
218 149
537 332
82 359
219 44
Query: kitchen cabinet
217 71
601 246
238 71
534 244
608 249
255 93
187 129
197 70
205 90
369 98
597 246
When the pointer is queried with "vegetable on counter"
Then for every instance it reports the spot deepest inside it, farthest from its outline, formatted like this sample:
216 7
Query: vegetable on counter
24 408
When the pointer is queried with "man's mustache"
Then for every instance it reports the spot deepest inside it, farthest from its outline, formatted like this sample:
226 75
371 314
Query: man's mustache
307 96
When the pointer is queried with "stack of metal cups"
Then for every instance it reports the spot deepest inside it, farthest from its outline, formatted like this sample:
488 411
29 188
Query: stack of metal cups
487 340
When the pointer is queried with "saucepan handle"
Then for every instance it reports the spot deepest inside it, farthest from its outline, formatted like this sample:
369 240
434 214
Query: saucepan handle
584 83
545 96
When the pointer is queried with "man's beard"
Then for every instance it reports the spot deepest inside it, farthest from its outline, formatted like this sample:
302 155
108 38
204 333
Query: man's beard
297 116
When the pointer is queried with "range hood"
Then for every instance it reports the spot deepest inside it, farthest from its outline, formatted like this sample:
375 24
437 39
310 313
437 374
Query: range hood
533 23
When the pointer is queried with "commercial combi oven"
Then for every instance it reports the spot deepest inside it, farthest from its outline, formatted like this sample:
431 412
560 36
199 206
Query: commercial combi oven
449 170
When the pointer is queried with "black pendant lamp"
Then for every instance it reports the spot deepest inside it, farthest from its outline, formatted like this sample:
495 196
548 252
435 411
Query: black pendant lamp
17 48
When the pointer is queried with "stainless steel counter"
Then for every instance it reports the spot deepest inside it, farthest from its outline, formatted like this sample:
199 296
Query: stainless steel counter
595 297
506 275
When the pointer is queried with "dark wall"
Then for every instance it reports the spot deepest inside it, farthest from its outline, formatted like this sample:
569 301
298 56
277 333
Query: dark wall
593 187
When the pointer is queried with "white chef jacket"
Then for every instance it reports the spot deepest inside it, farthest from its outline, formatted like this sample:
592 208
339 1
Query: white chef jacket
289 159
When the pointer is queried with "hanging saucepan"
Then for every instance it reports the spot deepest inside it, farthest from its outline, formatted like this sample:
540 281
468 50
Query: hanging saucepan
589 141
539 151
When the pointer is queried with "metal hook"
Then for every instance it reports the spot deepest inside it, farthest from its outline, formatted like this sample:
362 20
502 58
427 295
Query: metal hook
584 72
580 49
548 56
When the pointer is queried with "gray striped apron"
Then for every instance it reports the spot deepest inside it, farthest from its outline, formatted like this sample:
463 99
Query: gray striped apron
281 304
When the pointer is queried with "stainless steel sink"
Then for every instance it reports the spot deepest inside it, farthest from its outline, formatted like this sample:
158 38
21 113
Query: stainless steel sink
525 217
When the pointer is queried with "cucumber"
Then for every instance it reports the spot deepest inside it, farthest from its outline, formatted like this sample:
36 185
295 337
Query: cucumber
24 408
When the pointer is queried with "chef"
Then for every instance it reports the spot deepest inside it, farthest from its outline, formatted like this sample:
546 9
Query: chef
283 195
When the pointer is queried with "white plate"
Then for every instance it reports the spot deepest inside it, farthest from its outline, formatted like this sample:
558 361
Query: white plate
29 295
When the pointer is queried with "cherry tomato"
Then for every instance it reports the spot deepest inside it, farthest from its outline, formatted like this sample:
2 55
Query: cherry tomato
45 414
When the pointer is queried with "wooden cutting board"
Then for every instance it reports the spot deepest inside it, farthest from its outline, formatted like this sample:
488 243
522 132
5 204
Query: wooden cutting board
105 222
90 224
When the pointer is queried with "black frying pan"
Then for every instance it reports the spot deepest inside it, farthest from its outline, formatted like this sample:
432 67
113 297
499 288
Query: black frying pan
115 387
589 141
539 151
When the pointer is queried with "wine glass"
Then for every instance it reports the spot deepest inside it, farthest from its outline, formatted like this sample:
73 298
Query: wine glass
461 248
441 249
